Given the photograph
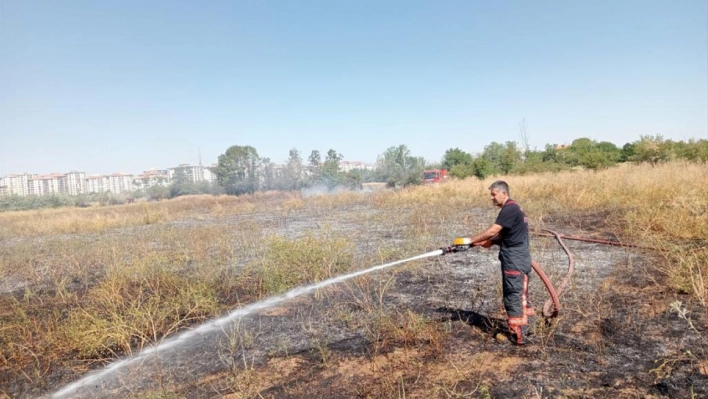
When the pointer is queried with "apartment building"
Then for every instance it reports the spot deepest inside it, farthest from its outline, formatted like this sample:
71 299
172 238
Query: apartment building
95 184
120 183
209 173
35 187
151 178
45 185
115 183
16 184
193 173
31 184
73 183
76 183
347 166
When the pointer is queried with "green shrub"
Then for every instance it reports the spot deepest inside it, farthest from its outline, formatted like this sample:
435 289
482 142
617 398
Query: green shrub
292 262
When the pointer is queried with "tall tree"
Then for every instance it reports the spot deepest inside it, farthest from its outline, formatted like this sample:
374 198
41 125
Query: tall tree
483 167
398 167
511 157
593 155
498 158
652 149
455 156
237 170
550 155
182 183
314 167
268 172
627 153
295 171
330 168
692 150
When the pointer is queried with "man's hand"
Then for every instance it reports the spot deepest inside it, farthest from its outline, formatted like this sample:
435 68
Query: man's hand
496 240
489 234
484 244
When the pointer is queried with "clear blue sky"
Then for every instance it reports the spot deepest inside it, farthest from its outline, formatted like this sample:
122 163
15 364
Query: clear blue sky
109 86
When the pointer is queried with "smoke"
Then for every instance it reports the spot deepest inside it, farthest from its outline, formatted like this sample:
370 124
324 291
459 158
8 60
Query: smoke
323 189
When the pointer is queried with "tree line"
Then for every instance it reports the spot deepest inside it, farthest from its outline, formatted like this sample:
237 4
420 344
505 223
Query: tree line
509 158
240 170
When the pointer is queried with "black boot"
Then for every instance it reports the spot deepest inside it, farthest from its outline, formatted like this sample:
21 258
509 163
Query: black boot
519 335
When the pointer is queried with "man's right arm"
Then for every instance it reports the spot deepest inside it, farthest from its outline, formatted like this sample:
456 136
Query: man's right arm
488 234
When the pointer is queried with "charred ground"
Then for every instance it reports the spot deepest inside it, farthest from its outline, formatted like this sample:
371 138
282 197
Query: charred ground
424 329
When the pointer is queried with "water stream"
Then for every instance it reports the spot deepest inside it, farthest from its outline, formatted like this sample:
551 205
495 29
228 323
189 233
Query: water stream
95 377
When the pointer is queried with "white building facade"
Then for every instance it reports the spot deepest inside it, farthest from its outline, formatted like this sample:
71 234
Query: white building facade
209 173
151 178
348 166
35 187
193 173
120 183
95 184
73 183
45 185
77 183
16 184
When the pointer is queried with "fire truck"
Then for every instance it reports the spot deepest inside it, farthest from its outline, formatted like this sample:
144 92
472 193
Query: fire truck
433 176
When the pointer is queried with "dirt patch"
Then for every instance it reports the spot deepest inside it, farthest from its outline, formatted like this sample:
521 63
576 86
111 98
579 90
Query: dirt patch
345 376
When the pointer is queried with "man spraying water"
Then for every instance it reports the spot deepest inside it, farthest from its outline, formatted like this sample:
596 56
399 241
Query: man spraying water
510 231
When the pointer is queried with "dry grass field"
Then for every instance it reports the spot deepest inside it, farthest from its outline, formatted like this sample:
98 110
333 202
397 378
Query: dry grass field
81 288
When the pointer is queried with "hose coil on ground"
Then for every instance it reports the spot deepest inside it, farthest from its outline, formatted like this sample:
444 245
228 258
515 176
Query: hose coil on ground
552 306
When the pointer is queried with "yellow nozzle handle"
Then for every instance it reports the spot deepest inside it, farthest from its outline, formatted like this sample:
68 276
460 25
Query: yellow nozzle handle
461 241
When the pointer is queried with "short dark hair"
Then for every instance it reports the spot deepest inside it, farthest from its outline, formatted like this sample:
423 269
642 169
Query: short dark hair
501 186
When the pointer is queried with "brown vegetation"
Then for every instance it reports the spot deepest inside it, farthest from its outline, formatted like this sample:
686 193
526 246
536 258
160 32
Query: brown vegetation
81 287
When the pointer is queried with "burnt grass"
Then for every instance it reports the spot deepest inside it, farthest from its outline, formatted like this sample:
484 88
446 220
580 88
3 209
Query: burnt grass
430 328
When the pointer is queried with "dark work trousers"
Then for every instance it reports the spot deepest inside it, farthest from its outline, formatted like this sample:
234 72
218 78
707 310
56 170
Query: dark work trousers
516 266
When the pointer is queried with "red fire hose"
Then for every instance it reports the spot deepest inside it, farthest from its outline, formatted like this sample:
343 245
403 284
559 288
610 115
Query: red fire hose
553 302
552 305
593 240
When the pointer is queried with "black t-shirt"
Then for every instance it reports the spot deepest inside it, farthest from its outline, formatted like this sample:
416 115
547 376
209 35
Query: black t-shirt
514 225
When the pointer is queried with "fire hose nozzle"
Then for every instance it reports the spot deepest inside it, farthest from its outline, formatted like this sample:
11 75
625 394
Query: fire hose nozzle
453 249
462 242
459 244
